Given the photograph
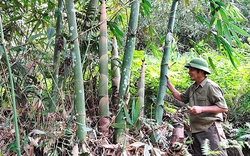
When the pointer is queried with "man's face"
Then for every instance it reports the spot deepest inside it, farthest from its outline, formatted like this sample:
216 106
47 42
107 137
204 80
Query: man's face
194 73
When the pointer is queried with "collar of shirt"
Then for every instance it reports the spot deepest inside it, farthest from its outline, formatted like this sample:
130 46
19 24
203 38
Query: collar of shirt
201 84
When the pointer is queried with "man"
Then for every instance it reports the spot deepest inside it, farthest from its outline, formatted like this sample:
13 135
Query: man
206 103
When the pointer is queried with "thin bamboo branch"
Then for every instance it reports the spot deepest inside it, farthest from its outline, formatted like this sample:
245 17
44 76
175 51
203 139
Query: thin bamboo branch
12 92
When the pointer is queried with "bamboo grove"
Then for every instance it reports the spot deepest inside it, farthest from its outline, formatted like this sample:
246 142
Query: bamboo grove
91 65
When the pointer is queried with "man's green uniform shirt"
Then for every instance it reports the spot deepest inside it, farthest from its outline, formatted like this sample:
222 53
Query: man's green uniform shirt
208 93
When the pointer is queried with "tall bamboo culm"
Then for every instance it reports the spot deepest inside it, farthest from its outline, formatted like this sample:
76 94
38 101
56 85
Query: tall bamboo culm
164 64
126 70
79 99
56 59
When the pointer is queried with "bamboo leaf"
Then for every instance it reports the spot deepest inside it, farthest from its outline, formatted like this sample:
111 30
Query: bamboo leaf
38 23
227 34
236 37
151 31
212 21
208 36
18 4
36 131
202 20
226 44
128 118
219 27
245 137
33 37
135 111
217 41
220 4
211 62
155 50
162 39
16 18
239 30
237 14
145 8
118 31
147 3
224 16
50 32
199 47
228 48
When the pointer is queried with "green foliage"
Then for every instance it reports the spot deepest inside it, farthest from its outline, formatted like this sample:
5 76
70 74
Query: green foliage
244 132
27 22
12 147
145 7
206 149
238 136
114 28
133 116
233 82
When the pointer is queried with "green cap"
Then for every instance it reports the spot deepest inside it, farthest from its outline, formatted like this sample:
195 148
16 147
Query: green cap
199 63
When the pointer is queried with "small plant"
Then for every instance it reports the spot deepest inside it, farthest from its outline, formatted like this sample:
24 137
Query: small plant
206 150
133 119
244 132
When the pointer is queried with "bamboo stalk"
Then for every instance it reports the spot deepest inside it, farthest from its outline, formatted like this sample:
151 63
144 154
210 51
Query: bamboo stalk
12 91
164 64
126 70
79 99
56 60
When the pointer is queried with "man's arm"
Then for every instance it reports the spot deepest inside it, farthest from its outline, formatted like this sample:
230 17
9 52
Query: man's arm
174 92
207 109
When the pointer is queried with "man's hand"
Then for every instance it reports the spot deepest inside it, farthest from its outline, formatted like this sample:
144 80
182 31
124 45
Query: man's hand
207 109
168 81
196 109
174 92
